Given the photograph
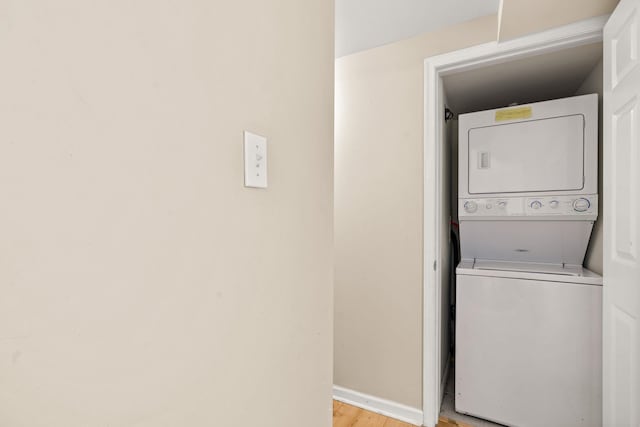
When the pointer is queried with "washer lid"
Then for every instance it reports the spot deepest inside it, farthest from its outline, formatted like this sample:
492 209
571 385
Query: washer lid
545 241
529 270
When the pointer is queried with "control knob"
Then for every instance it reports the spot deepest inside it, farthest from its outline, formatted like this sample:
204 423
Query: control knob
470 206
581 204
554 204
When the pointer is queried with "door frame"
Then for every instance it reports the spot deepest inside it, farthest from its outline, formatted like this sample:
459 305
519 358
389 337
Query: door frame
569 36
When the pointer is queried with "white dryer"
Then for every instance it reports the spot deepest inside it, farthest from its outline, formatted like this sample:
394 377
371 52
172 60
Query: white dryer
528 186
528 326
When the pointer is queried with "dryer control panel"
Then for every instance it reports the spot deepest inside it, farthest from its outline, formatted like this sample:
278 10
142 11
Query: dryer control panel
582 206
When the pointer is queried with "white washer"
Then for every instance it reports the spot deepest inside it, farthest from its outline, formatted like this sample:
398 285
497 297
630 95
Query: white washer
525 344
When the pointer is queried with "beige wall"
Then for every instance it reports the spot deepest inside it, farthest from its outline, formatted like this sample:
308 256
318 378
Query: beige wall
141 284
521 17
594 84
378 212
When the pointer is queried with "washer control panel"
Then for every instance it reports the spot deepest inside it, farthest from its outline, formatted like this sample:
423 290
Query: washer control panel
582 205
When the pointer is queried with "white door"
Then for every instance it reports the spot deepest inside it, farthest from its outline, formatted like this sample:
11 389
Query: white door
621 358
526 153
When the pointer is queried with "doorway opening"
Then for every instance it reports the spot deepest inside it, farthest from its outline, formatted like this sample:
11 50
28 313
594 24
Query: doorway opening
556 64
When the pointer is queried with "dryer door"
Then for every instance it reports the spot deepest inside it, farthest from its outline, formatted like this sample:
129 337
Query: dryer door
531 156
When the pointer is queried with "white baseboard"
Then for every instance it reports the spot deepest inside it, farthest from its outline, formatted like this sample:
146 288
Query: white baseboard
380 406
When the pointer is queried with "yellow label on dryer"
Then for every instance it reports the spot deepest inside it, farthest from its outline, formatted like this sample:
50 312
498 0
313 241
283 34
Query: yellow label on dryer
513 114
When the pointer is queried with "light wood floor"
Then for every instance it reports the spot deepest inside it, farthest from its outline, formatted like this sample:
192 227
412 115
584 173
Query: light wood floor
350 416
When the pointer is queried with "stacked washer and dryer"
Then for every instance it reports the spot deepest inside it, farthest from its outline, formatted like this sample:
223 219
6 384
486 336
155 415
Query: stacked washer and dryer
528 327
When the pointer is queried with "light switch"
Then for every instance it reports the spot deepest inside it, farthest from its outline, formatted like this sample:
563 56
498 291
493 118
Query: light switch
255 160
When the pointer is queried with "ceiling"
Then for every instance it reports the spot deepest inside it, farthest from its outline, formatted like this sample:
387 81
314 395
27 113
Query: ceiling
539 78
363 24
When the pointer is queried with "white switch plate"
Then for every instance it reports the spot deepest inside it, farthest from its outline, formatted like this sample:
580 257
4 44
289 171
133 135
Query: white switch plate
255 160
